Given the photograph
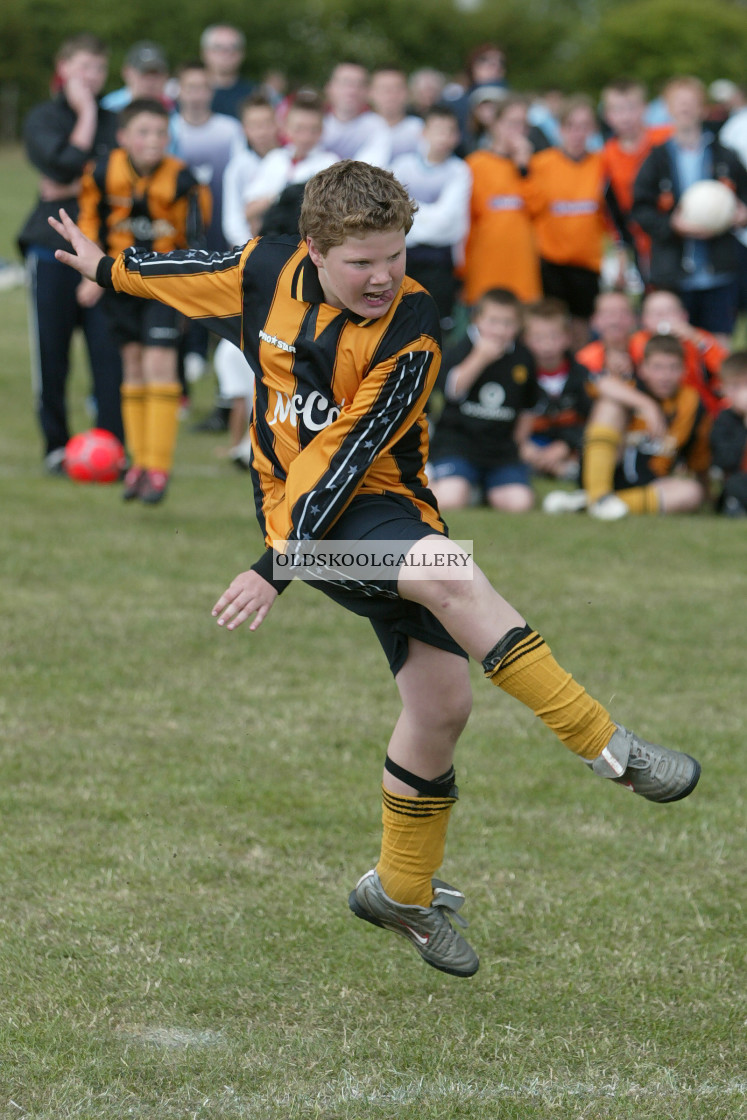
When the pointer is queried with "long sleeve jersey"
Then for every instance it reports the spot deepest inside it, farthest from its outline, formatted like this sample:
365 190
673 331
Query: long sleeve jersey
339 400
167 209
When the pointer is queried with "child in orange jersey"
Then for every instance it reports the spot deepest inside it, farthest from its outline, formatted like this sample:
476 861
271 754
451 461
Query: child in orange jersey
567 199
346 350
500 251
623 108
140 196
640 438
663 312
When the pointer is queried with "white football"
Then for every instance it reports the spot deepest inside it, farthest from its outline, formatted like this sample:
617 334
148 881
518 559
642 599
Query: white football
710 205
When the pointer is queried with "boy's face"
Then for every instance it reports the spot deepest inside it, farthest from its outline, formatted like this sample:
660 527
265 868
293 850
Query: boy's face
576 131
303 129
660 311
145 138
261 128
662 374
195 94
686 106
388 93
441 136
613 319
624 112
362 274
88 69
497 323
347 90
548 339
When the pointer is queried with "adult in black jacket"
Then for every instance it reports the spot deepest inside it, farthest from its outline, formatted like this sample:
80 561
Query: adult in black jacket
61 136
700 268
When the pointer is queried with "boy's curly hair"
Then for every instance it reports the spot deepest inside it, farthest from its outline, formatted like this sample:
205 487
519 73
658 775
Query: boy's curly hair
351 199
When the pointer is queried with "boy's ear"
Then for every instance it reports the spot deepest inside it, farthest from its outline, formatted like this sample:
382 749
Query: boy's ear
317 258
120 137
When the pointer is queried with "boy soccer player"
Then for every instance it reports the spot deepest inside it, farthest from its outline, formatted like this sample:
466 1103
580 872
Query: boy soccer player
139 196
489 389
638 433
562 409
347 352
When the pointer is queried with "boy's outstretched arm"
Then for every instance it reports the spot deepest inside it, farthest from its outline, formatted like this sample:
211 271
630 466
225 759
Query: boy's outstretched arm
86 253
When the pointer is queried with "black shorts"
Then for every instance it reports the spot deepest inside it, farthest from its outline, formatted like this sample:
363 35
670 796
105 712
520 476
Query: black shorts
577 287
147 321
390 517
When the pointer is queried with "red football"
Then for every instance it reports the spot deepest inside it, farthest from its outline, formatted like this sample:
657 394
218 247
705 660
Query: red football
94 456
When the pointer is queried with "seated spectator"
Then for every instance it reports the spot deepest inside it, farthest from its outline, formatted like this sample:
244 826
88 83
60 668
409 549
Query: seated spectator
646 446
145 72
292 164
489 389
260 126
686 258
351 129
440 183
613 324
500 249
729 436
664 313
567 199
388 95
553 446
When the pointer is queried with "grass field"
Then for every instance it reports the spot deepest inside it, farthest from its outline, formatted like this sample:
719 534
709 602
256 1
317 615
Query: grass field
185 810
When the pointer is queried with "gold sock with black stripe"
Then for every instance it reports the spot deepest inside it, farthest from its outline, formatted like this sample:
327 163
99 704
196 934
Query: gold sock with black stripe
523 666
132 399
640 499
414 837
161 425
601 444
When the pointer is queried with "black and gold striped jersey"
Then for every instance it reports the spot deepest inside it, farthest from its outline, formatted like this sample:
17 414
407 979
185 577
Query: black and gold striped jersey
339 399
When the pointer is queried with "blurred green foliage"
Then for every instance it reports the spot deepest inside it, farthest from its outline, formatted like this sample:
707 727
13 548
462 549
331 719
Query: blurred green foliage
578 44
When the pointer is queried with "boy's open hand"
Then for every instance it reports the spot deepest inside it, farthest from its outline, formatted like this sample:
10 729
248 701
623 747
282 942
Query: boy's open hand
248 593
86 255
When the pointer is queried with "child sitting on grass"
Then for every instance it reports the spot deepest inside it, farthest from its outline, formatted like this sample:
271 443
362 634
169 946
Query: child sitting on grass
489 388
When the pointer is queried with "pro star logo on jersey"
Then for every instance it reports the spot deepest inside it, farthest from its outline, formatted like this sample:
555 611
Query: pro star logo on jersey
315 412
273 340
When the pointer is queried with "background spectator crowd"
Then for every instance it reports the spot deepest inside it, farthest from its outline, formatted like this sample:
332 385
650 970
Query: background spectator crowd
594 332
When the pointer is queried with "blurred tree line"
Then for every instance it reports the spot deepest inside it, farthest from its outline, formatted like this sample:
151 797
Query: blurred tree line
574 45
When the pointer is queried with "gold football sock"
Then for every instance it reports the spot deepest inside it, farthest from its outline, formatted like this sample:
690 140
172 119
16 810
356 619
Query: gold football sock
522 665
601 443
640 499
414 835
161 425
133 419
412 845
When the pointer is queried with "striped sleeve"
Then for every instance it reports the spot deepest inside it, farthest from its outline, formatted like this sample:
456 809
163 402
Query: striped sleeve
202 285
326 474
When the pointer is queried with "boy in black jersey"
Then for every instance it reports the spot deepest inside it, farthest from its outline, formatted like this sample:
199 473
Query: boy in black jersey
489 386
346 348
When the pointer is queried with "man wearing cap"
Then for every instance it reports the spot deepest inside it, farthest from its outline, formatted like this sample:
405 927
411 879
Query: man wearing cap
145 72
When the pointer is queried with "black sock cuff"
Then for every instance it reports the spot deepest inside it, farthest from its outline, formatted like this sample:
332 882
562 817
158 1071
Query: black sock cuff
508 642
444 786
